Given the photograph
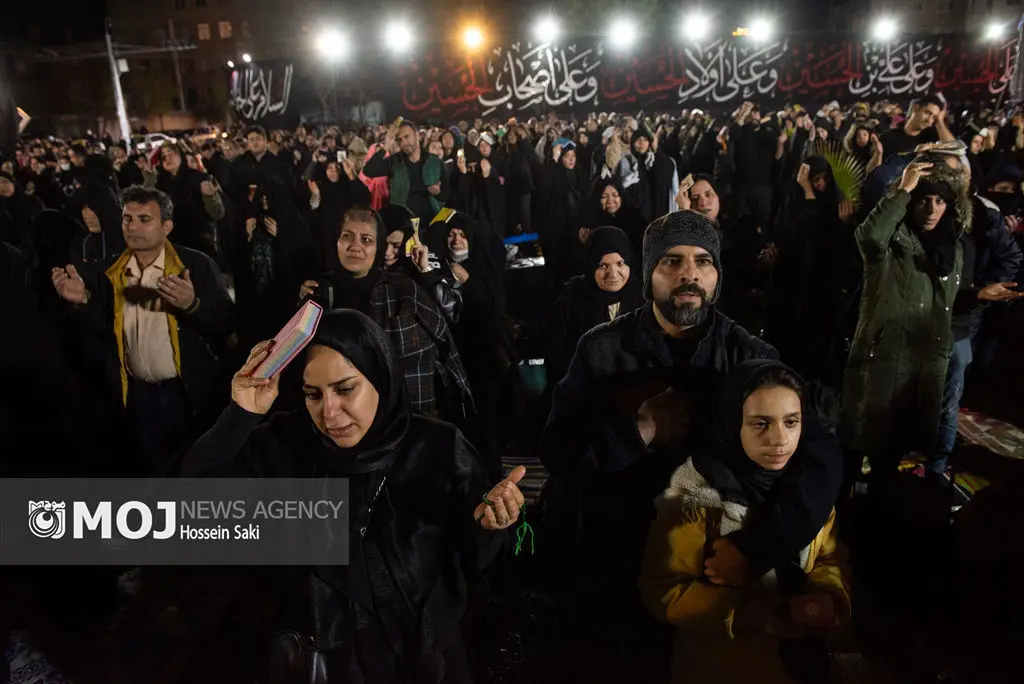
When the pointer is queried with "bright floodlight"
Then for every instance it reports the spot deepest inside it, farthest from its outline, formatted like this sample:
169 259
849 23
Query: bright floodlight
332 45
696 27
398 36
547 29
231 65
472 37
885 29
995 31
246 58
760 29
622 33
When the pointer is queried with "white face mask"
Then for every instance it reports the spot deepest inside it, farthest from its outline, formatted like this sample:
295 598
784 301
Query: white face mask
459 256
65 166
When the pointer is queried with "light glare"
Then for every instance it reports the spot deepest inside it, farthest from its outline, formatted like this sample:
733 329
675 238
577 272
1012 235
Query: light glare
696 27
473 37
995 31
398 36
760 30
547 30
246 58
231 64
622 33
885 29
332 45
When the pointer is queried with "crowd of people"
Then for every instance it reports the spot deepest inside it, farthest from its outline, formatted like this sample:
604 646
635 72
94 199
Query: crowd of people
740 314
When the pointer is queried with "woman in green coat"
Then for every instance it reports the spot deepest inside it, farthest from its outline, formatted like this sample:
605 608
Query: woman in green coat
892 390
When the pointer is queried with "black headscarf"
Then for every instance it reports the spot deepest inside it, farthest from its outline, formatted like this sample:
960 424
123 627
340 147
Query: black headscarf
359 607
727 468
397 217
354 293
610 240
353 335
940 242
628 218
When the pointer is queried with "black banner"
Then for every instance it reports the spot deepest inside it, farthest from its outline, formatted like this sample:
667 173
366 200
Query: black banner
585 75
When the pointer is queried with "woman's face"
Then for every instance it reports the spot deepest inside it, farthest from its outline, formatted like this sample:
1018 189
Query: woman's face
332 172
772 422
395 240
819 182
610 200
170 159
447 141
977 142
457 241
613 273
863 137
435 148
340 400
357 247
569 159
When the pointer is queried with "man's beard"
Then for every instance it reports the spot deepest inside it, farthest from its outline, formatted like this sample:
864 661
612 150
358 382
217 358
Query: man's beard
687 315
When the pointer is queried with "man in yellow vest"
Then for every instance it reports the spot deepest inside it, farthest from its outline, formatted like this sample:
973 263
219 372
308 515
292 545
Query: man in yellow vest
162 314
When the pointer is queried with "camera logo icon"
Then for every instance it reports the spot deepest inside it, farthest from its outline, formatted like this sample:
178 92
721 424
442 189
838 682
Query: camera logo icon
46 519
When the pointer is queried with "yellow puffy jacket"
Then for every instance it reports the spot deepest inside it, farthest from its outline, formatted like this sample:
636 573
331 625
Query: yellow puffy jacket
706 649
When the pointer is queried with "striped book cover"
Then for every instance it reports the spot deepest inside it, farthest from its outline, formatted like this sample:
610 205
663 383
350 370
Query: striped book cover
291 340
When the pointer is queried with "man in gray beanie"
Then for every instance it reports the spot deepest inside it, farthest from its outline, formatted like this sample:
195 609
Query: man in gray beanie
677 244
640 394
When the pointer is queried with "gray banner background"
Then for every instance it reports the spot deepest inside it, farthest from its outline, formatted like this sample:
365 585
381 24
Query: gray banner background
281 541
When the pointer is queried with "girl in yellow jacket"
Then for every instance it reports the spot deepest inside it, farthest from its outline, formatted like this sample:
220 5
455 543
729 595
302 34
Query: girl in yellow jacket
771 629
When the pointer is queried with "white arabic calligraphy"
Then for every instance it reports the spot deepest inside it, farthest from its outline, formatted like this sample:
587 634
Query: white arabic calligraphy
725 70
898 68
543 74
252 92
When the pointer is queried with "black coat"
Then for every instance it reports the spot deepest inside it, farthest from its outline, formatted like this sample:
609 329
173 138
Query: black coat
268 170
577 312
193 226
592 431
202 334
562 200
423 528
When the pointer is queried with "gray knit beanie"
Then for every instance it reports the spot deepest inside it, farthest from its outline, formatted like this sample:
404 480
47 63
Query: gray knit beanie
680 228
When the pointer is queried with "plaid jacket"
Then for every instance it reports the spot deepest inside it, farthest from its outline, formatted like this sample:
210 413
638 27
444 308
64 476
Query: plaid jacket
423 343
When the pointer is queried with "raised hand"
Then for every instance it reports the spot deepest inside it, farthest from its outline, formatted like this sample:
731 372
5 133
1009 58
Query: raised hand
308 288
271 226
177 290
250 227
69 284
913 174
255 395
421 258
349 168
501 506
208 188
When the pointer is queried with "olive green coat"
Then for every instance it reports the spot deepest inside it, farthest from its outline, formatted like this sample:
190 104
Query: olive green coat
892 389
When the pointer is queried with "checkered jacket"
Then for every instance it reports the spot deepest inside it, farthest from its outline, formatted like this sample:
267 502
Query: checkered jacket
423 343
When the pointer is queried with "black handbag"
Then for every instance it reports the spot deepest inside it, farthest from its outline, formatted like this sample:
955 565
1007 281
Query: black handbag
294 659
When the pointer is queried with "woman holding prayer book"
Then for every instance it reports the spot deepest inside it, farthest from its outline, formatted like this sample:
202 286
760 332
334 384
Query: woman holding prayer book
422 512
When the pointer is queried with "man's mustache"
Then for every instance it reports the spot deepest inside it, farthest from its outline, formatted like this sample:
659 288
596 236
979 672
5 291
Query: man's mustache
690 289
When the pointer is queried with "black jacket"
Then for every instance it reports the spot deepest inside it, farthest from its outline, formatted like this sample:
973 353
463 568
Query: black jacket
423 528
592 430
268 170
991 255
202 334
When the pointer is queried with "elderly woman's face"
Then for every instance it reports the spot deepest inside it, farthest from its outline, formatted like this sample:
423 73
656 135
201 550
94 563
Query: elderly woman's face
612 273
340 400
357 247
